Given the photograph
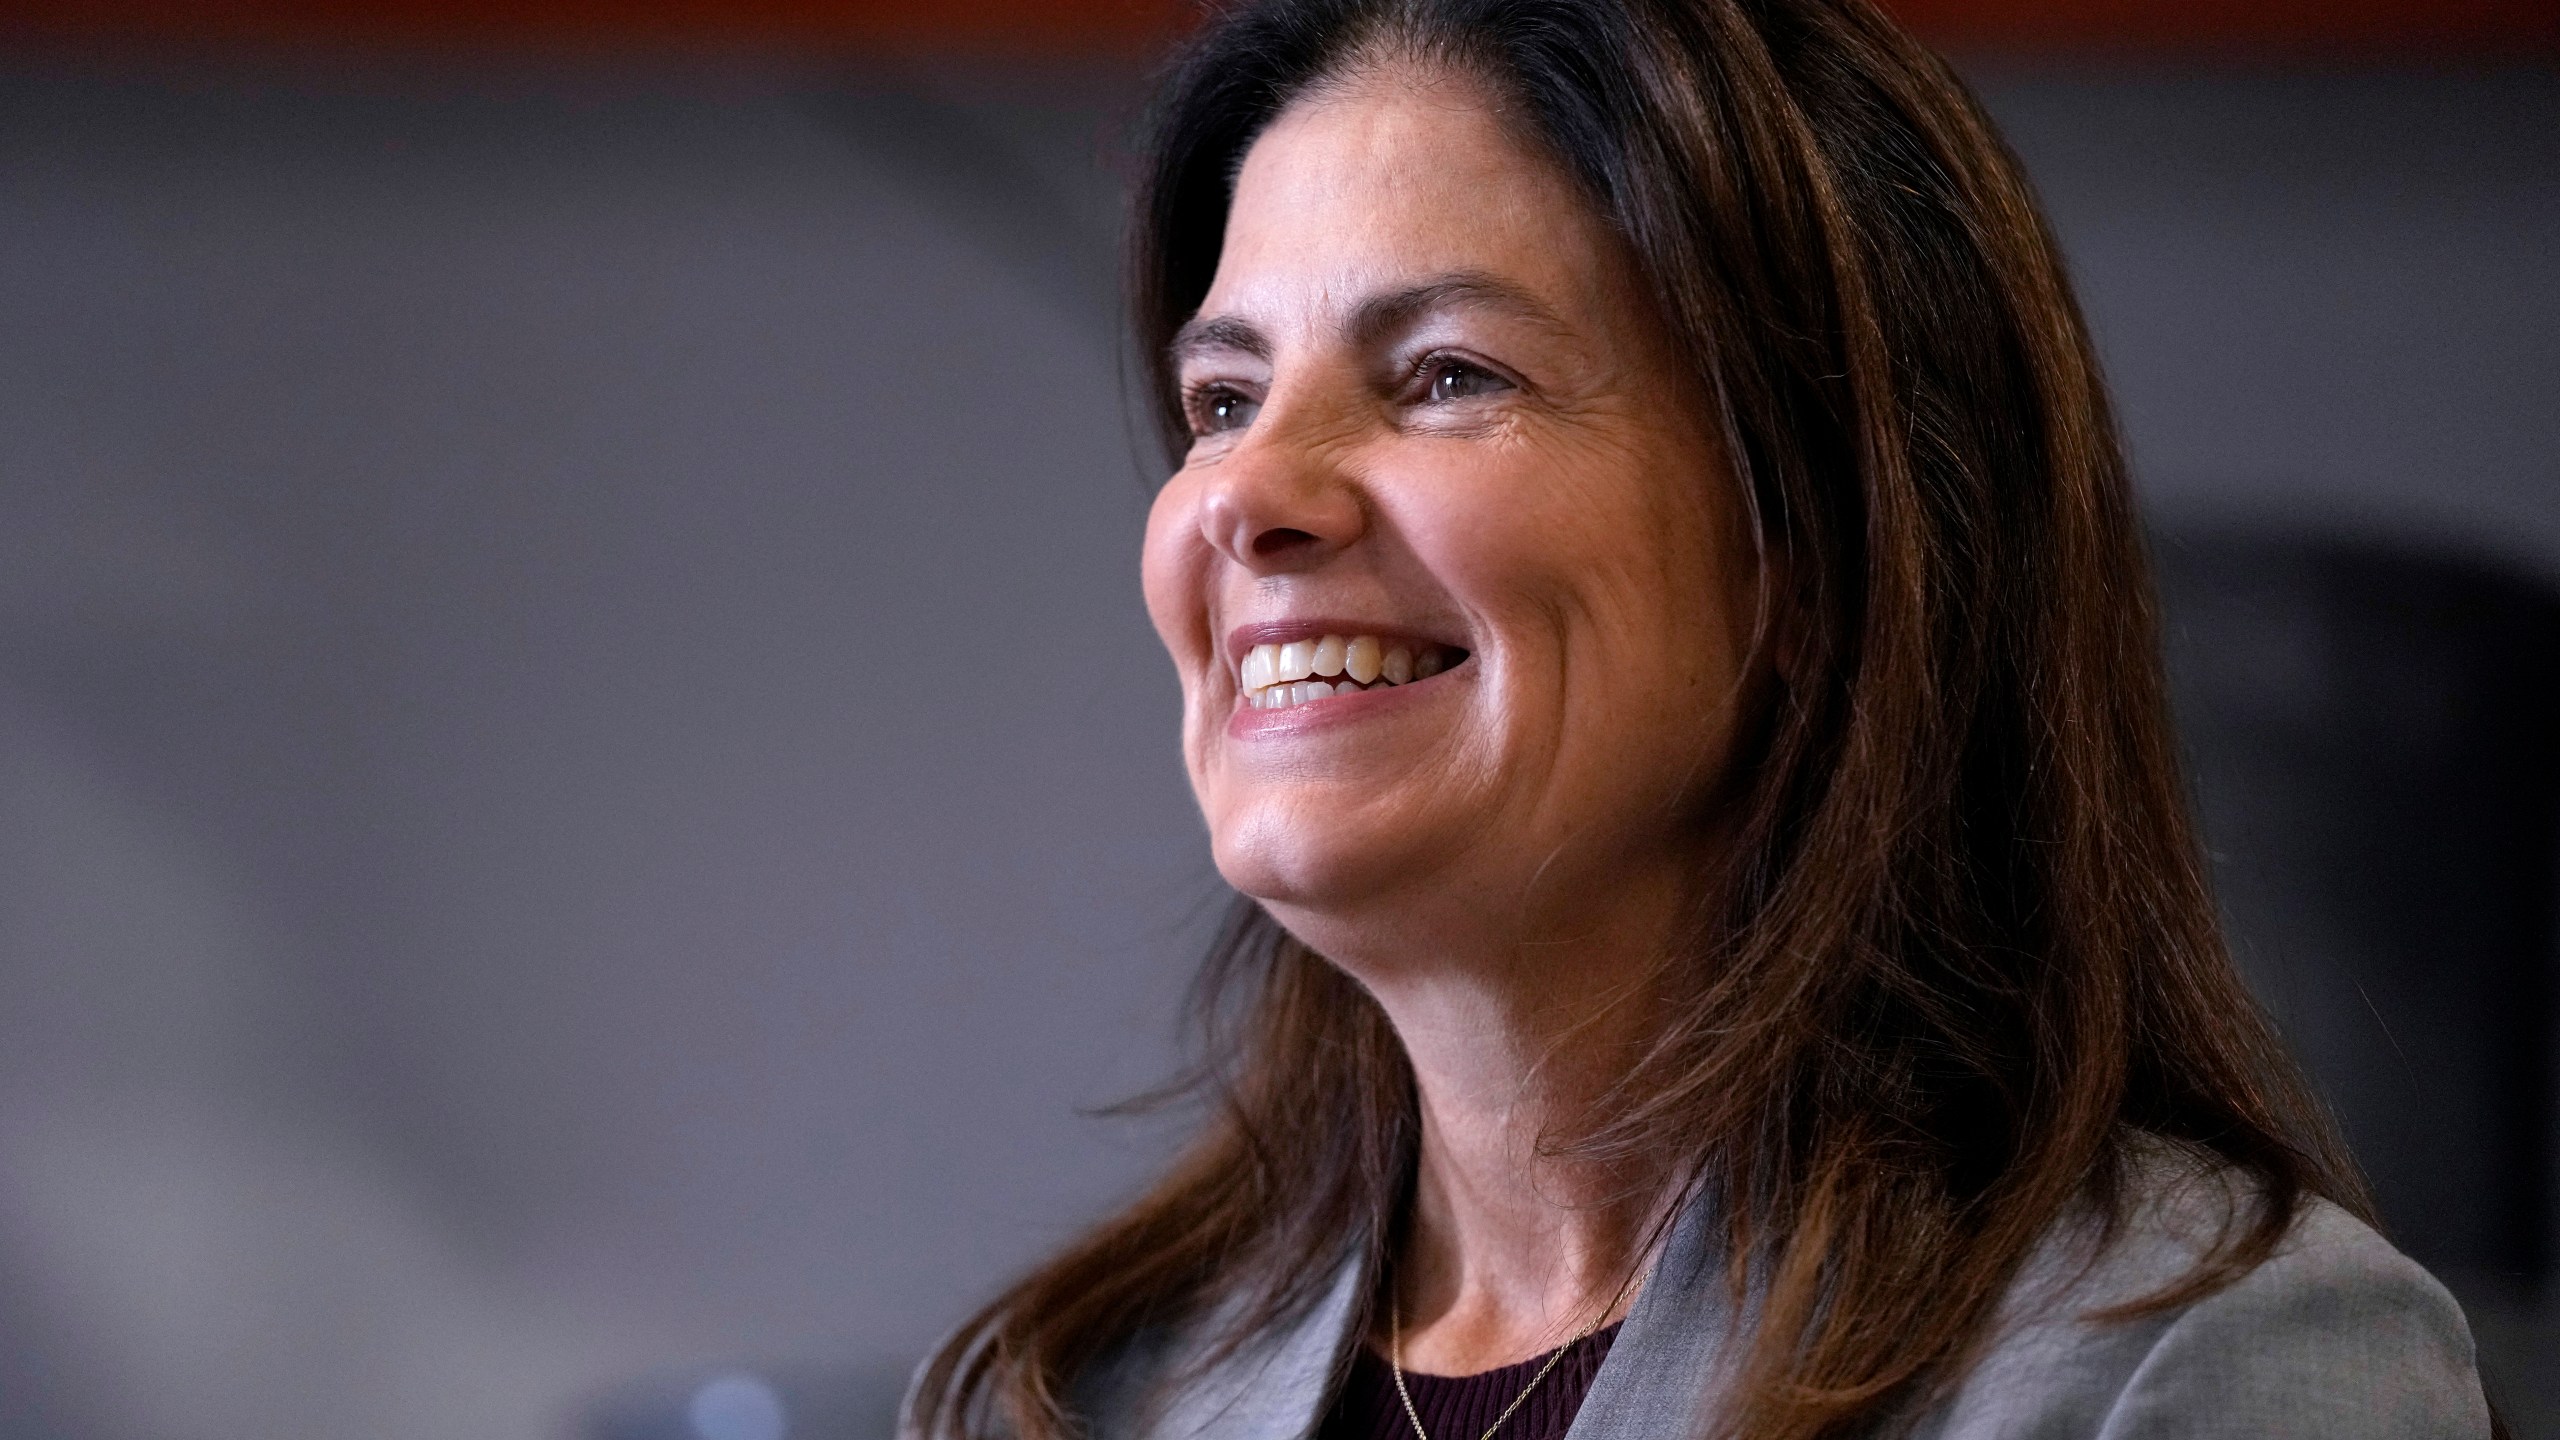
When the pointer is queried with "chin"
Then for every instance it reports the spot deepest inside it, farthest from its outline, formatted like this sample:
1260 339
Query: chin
1290 865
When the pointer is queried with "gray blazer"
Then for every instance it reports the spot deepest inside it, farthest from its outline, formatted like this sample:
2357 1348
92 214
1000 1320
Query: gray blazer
2336 1337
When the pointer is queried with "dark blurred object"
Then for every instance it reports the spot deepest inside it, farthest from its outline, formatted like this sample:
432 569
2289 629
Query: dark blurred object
2376 742
2401 29
784 1404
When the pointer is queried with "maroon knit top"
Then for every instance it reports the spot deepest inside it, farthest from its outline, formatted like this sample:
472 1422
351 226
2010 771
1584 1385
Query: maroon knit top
1458 1407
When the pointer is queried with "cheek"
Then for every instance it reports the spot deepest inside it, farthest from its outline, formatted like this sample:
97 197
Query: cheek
1599 573
1587 550
1678 621
1635 530
1170 572
1175 568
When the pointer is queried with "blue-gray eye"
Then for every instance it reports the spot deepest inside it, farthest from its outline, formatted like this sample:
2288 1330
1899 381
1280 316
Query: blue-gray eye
1218 408
1451 380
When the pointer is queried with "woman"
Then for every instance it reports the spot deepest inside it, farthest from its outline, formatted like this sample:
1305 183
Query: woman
1667 657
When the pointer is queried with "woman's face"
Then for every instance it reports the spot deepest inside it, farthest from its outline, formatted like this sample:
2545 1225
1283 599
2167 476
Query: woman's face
1453 573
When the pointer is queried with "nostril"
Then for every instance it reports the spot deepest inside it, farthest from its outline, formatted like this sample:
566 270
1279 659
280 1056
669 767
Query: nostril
1280 540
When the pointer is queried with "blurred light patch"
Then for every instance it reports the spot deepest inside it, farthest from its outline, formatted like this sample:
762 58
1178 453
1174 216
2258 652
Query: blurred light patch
737 1407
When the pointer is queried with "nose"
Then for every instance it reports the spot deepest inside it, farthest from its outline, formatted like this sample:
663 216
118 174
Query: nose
1276 506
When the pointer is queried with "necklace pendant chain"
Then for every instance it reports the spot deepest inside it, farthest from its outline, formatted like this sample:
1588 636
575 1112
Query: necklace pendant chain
1395 1366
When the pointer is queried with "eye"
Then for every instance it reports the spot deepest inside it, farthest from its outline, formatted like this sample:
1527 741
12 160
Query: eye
1458 380
1216 408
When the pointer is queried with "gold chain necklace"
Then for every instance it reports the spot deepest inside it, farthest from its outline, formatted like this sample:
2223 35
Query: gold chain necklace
1395 1364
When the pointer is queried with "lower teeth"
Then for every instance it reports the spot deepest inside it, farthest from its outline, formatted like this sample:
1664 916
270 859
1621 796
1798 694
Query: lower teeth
1303 692
1307 691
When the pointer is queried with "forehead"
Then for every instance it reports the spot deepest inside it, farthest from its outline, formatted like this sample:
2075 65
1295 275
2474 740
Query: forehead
1390 178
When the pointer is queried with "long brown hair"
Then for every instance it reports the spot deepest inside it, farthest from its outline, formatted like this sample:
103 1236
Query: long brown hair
1966 949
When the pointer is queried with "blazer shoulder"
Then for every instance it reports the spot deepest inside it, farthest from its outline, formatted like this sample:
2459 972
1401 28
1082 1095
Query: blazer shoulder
2336 1334
1107 1395
1177 1382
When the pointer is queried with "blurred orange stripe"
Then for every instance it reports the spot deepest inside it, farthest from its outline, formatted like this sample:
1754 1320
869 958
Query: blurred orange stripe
2380 28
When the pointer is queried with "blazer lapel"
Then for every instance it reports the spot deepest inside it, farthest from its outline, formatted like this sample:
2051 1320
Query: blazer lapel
1658 1380
1276 1389
1656 1384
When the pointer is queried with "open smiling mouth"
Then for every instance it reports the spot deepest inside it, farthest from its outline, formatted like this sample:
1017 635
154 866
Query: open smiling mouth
1301 672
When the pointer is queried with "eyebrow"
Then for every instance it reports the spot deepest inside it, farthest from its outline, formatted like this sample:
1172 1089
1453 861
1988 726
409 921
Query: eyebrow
1203 335
1375 317
1382 315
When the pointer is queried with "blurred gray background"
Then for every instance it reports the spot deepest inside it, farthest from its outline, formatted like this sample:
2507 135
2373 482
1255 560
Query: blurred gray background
586 802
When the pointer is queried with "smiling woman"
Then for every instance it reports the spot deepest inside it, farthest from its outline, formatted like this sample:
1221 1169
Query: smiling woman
1434 416
1668 666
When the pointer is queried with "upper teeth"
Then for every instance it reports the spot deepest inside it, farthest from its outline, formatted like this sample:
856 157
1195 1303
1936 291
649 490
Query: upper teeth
1285 674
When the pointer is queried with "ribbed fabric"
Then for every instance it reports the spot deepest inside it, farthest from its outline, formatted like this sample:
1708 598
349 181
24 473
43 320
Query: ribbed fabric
1459 1407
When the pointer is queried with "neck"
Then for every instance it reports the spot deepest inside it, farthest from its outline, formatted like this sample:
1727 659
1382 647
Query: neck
1511 1250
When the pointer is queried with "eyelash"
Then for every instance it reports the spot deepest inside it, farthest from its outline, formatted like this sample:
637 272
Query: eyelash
1438 364
1199 395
